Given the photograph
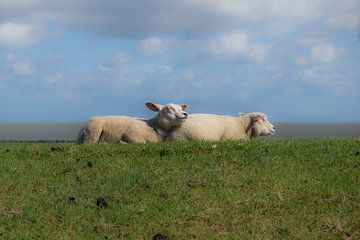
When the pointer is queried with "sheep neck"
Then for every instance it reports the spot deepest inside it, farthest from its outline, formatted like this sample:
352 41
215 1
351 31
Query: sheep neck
248 125
159 128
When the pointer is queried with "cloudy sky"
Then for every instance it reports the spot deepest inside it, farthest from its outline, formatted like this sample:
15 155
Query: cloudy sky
296 61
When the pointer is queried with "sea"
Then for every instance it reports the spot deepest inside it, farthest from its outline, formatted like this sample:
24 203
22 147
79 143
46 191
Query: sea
68 131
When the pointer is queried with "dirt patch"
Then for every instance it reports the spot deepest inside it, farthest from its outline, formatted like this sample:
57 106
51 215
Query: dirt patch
197 183
164 195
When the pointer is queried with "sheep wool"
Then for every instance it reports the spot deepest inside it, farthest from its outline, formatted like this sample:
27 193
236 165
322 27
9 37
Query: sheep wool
214 127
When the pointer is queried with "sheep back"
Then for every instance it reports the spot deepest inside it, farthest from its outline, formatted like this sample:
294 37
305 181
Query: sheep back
208 127
114 129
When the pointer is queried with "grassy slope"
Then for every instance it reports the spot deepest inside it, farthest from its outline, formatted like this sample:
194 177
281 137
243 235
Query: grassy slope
306 189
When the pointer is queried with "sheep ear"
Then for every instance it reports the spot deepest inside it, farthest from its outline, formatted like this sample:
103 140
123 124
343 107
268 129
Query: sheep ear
183 106
154 107
241 114
256 117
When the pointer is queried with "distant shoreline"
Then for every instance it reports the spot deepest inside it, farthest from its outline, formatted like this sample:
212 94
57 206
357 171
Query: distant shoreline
38 141
67 132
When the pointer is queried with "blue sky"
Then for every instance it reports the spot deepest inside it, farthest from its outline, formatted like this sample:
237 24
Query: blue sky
297 61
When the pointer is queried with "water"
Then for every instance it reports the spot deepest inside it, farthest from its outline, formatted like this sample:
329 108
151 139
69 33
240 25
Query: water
316 130
68 132
63 132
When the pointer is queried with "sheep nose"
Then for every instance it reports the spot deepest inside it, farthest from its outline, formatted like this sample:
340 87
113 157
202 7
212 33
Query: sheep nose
274 128
184 115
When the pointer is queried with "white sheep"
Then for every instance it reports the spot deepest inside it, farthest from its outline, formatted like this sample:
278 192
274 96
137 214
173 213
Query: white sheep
218 127
124 129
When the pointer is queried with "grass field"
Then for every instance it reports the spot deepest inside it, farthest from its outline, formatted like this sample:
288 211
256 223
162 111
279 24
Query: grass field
281 189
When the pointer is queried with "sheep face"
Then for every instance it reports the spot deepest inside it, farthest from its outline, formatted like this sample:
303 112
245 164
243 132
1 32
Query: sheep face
261 125
169 115
174 114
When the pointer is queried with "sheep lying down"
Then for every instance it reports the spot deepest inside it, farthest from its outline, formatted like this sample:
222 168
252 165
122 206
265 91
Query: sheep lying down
124 129
218 127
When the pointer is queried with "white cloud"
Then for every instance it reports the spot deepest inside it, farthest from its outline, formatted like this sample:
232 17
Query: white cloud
158 71
259 52
301 61
53 79
19 66
326 53
258 10
154 46
116 67
120 58
166 69
309 73
22 72
10 57
121 18
120 73
17 35
345 22
342 17
22 68
231 45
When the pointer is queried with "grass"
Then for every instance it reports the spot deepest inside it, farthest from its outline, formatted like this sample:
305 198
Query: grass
283 189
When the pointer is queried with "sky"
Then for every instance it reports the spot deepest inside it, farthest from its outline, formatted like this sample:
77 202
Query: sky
296 61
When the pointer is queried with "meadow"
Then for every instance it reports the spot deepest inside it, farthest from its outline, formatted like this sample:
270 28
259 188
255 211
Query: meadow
260 189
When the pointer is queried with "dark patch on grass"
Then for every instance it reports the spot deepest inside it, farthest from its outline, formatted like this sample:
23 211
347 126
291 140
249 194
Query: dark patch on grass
57 149
2 232
66 170
197 183
147 187
164 195
162 236
144 186
89 164
72 199
283 232
357 153
101 202
7 150
166 152
336 229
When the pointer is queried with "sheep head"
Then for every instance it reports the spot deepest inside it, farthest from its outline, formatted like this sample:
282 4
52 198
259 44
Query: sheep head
169 115
259 125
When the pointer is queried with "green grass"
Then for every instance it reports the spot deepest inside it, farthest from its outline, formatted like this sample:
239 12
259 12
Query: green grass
282 189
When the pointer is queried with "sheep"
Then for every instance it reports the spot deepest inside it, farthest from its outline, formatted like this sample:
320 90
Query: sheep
219 127
124 129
